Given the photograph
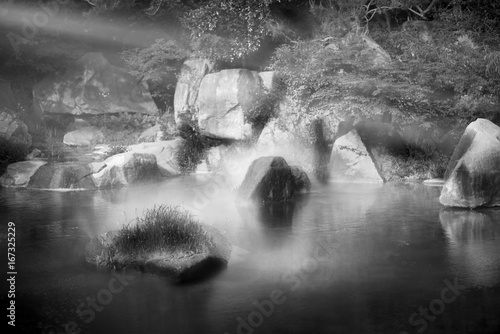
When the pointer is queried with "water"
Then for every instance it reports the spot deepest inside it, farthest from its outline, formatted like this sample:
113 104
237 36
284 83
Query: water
342 259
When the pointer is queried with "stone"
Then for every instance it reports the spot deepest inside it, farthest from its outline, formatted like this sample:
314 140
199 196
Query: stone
186 91
473 173
34 154
164 151
301 180
83 137
92 87
65 175
268 80
124 169
13 129
150 135
19 174
351 162
223 99
177 266
268 179
375 54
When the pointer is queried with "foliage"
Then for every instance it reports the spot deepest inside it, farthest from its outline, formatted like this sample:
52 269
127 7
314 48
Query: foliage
155 62
265 105
163 229
116 149
124 121
10 152
54 142
193 149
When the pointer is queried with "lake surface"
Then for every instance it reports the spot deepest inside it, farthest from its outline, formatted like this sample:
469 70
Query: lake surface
341 259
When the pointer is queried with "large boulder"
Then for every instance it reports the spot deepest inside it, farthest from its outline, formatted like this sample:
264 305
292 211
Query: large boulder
124 169
223 99
165 153
473 173
14 129
67 175
92 87
19 174
186 90
351 162
268 179
83 136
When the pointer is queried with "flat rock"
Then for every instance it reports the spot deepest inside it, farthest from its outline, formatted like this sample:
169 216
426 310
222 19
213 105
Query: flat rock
19 174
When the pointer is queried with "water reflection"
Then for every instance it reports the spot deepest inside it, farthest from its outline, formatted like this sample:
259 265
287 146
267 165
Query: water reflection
474 245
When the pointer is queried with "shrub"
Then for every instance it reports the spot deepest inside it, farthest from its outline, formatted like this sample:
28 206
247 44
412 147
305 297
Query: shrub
54 142
193 149
10 152
163 228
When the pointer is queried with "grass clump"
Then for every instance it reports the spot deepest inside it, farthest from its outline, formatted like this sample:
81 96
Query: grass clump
164 229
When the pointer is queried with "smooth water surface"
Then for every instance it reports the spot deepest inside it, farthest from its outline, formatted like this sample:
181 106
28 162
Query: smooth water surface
341 259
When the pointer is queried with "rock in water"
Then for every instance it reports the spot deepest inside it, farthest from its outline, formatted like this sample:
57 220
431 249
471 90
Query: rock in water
473 173
92 87
223 99
351 162
19 174
268 179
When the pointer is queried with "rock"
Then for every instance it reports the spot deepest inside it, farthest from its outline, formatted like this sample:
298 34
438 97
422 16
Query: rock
351 162
83 137
92 87
268 79
150 135
268 179
301 180
164 151
66 175
383 142
223 99
375 54
124 169
473 173
19 174
34 154
14 129
176 266
186 90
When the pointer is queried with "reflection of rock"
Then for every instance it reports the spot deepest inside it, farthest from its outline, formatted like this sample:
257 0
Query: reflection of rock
474 245
350 161
473 174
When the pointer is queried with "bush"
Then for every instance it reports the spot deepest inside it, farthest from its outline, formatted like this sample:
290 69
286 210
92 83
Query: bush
10 152
54 142
420 163
163 228
193 149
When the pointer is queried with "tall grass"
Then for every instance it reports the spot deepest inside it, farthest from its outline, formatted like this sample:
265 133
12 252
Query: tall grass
162 228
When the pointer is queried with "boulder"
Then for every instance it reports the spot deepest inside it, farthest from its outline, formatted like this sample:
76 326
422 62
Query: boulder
374 54
83 137
19 174
14 129
124 169
268 179
473 173
186 90
151 134
66 175
301 180
223 99
177 266
35 153
92 87
351 162
164 151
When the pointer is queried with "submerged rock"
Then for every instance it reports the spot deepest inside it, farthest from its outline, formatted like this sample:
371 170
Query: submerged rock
177 265
351 162
473 174
19 174
270 179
